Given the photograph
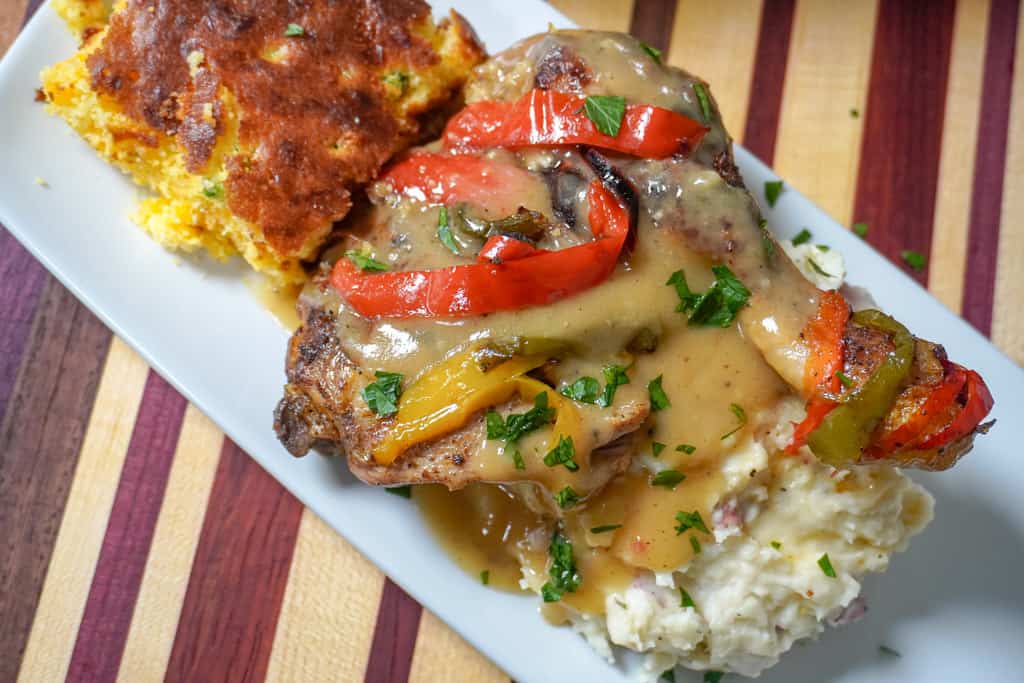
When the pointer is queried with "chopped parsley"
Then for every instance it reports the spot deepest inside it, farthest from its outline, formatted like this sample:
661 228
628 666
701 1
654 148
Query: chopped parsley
294 30
705 102
690 520
686 448
668 478
844 379
802 237
860 229
564 453
654 52
396 82
382 396
821 247
776 545
767 243
567 498
400 491
564 577
659 399
485 577
656 448
669 675
815 267
364 262
713 676
886 650
614 377
684 598
583 390
605 528
606 111
741 415
716 307
826 566
914 259
772 190
512 428
444 231
213 190
695 544
517 459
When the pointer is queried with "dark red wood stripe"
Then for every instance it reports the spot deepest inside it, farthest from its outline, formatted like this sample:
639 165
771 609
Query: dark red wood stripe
652 22
899 163
21 282
40 438
239 573
990 164
31 8
394 636
118 575
769 77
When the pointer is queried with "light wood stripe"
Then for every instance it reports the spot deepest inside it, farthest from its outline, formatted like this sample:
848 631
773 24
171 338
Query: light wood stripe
1007 317
959 143
704 42
155 618
603 15
337 589
85 517
818 147
437 647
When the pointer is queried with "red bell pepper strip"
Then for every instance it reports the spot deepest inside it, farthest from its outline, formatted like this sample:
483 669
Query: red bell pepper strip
824 335
817 408
977 405
548 117
504 248
450 178
935 406
535 279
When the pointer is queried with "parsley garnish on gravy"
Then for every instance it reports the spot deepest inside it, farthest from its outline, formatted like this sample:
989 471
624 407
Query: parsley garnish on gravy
382 396
606 111
444 231
364 262
656 448
741 415
659 399
668 478
516 425
588 390
716 307
564 453
567 498
704 101
564 577
690 520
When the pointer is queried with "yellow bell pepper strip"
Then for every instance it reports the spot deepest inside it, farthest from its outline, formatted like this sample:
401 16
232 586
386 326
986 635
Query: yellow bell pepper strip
444 399
846 431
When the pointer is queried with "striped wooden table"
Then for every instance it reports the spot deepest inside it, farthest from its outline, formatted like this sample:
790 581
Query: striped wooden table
140 544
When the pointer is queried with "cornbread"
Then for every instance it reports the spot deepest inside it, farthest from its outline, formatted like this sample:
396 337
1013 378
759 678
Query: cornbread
253 123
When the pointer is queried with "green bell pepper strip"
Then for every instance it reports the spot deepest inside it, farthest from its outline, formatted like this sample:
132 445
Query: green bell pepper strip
847 429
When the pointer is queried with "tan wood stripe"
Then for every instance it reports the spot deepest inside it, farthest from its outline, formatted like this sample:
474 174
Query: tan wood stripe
818 146
704 42
604 15
956 168
162 591
85 517
1007 317
437 647
333 586
11 14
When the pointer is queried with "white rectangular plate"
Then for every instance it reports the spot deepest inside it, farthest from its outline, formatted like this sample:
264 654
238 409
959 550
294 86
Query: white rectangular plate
953 605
